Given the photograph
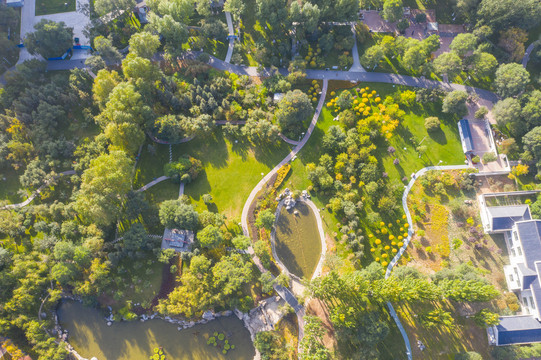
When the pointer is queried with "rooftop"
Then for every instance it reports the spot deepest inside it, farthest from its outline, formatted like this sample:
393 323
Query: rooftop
518 330
504 217
178 240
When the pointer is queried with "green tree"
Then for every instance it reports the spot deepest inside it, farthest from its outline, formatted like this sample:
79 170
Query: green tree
114 7
463 43
104 83
50 39
265 219
144 44
270 345
532 142
174 33
311 346
176 214
483 64
104 187
372 56
393 10
511 79
455 103
105 48
267 282
502 14
505 111
235 7
293 110
262 252
210 237
241 242
135 238
531 112
449 64
230 273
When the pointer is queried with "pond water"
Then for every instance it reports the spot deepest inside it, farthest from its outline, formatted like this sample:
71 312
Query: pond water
297 240
135 340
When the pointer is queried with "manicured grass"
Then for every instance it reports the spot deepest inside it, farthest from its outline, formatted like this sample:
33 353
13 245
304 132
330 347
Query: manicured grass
298 243
231 170
45 7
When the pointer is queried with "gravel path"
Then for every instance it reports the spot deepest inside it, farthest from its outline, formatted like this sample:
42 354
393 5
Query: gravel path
357 67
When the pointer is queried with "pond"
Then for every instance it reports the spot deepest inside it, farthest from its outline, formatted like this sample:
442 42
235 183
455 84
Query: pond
135 340
297 240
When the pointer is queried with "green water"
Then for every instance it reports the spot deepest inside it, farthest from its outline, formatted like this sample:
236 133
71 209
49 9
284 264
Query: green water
135 340
298 244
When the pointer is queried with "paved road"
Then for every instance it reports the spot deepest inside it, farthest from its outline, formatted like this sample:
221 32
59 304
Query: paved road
527 54
37 192
152 183
360 77
357 67
231 38
407 241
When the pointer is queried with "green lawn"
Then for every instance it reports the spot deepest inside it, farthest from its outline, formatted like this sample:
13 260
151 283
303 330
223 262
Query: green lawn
444 145
9 185
231 170
45 7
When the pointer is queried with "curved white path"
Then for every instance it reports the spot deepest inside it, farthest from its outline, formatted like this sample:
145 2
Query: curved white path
357 67
407 241
152 183
317 271
527 54
285 293
231 37
37 192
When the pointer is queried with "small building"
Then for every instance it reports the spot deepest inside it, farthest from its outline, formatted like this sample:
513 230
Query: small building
15 3
500 219
432 28
514 330
466 136
178 240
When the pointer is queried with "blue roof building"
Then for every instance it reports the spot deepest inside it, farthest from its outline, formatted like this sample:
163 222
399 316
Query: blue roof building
465 136
523 274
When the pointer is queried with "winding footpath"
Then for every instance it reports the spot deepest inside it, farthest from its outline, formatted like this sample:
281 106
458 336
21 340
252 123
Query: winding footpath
527 54
397 257
37 192
231 37
285 293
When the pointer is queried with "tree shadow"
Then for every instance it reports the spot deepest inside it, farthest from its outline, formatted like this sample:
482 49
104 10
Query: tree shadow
198 187
438 136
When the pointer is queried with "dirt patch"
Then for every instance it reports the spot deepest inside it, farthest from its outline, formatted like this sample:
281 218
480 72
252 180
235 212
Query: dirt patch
317 308
168 283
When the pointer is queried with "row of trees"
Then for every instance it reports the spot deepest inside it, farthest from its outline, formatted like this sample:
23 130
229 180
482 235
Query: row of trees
356 301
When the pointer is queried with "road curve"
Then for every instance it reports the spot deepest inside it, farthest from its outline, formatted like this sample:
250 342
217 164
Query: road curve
407 241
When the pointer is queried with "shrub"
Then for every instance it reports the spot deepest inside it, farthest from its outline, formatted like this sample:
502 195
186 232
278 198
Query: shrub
432 124
207 198
475 159
481 112
420 18
489 157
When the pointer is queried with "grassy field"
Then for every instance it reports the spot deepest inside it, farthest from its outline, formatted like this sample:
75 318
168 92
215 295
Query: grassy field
231 170
45 7
298 243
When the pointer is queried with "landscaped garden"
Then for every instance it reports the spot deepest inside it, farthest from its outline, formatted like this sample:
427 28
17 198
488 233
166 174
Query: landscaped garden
46 7
297 240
